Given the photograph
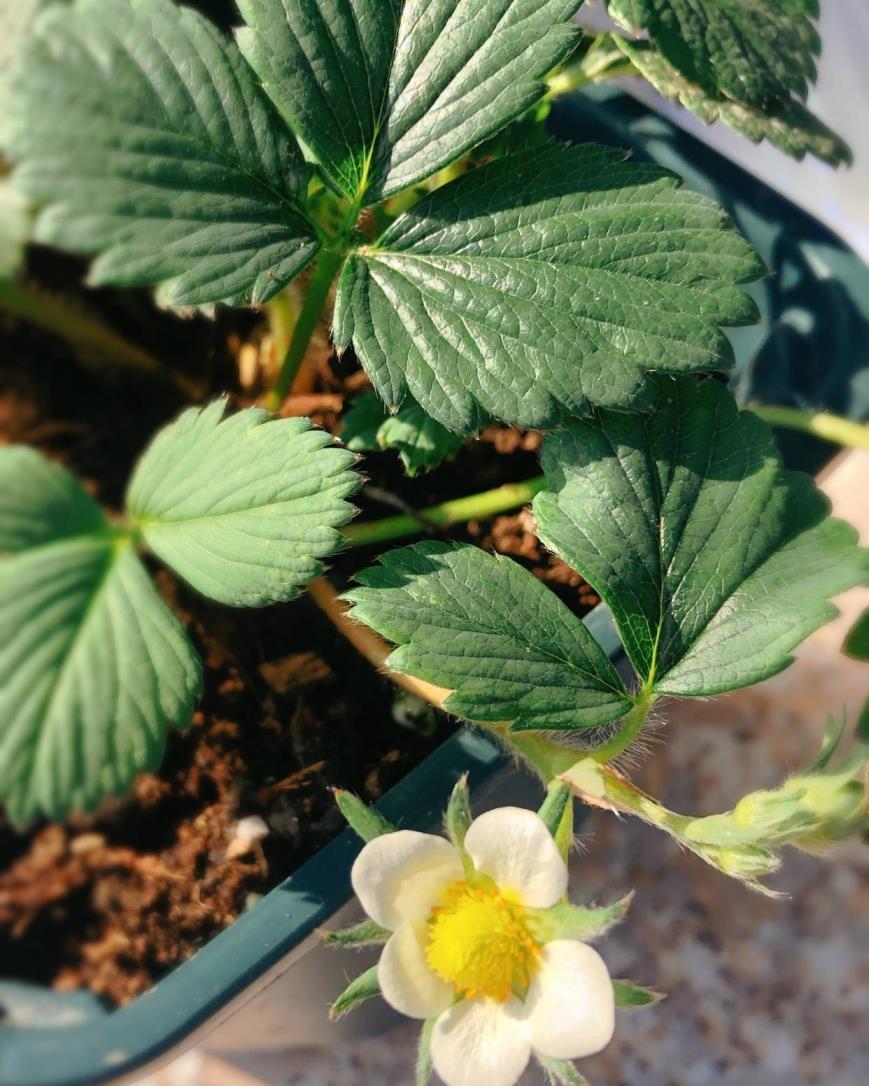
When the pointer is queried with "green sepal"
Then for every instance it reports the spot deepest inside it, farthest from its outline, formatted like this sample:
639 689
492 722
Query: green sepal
566 921
458 816
553 807
423 1055
629 994
366 933
367 822
562 1073
364 987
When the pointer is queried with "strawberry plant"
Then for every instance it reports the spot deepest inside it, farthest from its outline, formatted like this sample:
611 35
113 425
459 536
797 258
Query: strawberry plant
381 167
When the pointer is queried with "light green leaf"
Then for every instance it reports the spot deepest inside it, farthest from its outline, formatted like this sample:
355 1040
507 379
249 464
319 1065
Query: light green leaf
629 994
384 93
542 282
750 50
42 502
558 798
364 987
787 124
242 507
145 136
488 630
715 561
421 442
424 1066
561 1072
93 666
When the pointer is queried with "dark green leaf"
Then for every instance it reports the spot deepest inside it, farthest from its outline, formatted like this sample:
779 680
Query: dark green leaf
146 137
14 228
365 821
364 987
787 124
243 507
629 994
42 502
488 630
857 642
93 666
750 50
421 442
386 92
715 561
538 283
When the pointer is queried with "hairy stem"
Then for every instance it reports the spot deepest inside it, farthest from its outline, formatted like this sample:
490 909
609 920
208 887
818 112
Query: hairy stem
630 729
85 333
320 284
457 511
854 435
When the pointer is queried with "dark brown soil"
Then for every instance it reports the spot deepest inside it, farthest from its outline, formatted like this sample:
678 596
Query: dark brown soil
113 900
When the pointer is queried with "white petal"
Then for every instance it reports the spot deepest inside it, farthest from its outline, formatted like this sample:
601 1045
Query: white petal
480 1043
406 982
570 1004
399 876
514 847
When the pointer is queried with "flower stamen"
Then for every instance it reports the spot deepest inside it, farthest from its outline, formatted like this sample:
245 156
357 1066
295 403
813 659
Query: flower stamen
480 944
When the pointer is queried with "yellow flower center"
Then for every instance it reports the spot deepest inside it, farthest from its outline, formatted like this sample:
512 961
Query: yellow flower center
479 943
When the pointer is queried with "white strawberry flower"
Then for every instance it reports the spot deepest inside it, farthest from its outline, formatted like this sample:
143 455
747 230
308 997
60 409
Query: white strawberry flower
471 947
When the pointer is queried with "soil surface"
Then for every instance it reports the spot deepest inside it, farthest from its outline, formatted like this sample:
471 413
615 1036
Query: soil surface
113 900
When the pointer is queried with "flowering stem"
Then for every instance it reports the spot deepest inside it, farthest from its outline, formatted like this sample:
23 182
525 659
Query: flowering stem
486 504
320 284
854 435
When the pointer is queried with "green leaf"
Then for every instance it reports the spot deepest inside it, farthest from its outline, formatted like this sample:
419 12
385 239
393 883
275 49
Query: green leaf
384 93
366 933
857 642
629 994
421 442
42 502
93 666
367 822
364 987
146 138
561 1072
242 507
787 124
749 50
715 561
540 282
488 630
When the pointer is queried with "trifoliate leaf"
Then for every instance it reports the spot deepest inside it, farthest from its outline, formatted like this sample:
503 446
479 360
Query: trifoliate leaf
242 507
787 124
488 630
146 137
385 92
857 642
421 441
715 561
42 502
538 283
14 228
93 667
749 50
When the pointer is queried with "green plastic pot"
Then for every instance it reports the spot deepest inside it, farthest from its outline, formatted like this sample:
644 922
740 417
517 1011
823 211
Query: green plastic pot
811 349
